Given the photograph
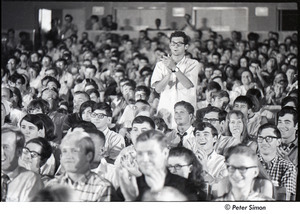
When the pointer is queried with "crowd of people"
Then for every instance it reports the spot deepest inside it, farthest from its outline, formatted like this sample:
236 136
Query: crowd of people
149 119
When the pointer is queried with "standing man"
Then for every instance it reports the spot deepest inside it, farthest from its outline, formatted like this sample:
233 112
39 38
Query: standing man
175 77
17 183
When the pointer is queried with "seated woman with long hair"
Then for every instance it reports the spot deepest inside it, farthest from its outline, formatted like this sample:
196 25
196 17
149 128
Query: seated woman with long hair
235 133
184 163
246 181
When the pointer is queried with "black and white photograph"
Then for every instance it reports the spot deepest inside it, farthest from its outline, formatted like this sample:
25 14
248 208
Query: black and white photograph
150 102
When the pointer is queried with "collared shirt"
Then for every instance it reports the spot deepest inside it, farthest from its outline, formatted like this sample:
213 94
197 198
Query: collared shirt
22 185
90 187
293 152
216 166
107 171
175 91
174 139
282 172
114 143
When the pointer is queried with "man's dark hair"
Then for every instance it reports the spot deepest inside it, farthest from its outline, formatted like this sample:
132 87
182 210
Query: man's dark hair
213 85
46 148
180 34
51 79
269 125
289 99
288 110
144 89
143 119
189 107
245 100
103 106
39 103
221 114
93 90
86 125
84 93
200 126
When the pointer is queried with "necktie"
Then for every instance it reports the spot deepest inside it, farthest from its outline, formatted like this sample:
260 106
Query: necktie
4 183
180 144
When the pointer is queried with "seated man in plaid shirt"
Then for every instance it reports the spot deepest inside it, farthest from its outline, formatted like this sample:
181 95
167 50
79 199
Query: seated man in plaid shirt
282 172
77 154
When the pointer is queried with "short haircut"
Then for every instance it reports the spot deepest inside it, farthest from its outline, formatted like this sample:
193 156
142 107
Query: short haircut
288 110
180 34
93 90
255 61
84 93
245 100
103 106
143 119
20 138
17 76
46 148
153 135
144 89
220 94
39 103
200 126
189 107
213 85
34 119
269 125
86 125
221 114
83 138
51 79
242 150
54 69
97 132
289 99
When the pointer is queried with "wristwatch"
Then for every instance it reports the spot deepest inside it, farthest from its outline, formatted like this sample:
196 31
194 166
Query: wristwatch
175 70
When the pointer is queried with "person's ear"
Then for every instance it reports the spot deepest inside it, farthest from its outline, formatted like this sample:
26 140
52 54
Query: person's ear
215 138
109 119
166 152
19 151
41 132
279 141
256 172
191 168
296 126
186 46
89 157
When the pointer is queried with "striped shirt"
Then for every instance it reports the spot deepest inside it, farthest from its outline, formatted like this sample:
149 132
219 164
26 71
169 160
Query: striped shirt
282 172
114 143
91 187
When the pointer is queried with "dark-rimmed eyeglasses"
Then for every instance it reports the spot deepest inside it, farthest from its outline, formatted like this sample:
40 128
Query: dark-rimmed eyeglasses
268 139
210 120
100 115
33 154
177 166
178 44
242 169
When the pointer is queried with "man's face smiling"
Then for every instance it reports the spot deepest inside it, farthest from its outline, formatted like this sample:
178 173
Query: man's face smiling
177 46
286 126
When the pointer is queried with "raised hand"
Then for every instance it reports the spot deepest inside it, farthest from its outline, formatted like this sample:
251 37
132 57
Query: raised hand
128 184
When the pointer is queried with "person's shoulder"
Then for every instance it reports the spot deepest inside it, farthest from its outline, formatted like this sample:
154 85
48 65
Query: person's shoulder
285 163
98 179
